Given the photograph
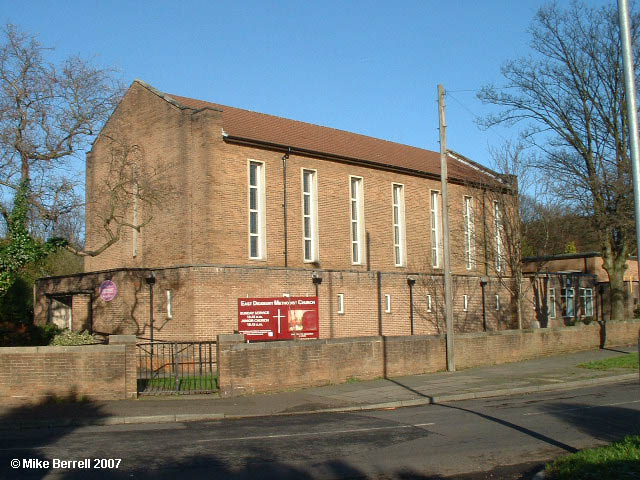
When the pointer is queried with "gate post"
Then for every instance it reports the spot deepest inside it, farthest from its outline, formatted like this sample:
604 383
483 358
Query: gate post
130 366
223 358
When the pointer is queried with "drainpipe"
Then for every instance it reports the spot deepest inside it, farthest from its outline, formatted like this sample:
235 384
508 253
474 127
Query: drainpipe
284 206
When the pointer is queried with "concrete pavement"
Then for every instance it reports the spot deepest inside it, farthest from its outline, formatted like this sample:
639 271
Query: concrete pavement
544 374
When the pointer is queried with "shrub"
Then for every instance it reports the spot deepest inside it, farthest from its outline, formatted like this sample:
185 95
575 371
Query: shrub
14 334
68 337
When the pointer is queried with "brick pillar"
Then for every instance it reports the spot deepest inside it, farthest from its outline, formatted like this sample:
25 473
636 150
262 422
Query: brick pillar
223 358
130 365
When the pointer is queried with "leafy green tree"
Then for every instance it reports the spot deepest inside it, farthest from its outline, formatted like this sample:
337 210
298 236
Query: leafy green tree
20 248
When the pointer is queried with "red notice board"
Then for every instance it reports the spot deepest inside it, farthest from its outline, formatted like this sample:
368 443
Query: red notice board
278 318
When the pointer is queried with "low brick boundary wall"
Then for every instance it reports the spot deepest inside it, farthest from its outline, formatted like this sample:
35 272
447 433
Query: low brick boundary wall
275 366
93 372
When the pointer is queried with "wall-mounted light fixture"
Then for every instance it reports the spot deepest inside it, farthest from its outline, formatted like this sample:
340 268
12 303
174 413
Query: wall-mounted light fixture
150 280
317 280
411 282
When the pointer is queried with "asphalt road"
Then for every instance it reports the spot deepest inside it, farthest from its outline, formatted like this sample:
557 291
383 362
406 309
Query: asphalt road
429 442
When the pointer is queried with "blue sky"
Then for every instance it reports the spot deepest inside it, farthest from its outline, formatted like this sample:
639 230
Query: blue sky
366 67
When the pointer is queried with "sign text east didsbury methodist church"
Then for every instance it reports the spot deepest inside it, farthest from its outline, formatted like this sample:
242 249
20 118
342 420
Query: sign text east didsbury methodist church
278 318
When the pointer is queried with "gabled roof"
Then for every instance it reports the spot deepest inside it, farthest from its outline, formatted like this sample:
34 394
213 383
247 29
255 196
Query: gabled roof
246 126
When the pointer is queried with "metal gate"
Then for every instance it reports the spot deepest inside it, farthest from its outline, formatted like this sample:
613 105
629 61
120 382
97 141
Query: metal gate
176 367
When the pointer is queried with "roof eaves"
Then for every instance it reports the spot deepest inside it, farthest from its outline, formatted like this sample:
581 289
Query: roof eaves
353 160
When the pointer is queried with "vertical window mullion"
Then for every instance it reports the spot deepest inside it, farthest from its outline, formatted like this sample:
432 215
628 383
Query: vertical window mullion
356 220
435 230
398 225
309 218
498 235
256 210
468 232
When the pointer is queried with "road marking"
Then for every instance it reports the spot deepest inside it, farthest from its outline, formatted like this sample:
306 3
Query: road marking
580 408
315 434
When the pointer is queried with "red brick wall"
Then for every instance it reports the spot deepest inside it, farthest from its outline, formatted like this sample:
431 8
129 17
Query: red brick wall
269 367
205 301
206 222
95 372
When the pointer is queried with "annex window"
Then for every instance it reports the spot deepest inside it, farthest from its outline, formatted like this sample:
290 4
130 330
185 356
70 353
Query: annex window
169 304
586 301
341 303
497 302
552 303
435 229
428 303
357 220
256 210
498 227
387 303
465 303
568 302
310 215
398 225
469 246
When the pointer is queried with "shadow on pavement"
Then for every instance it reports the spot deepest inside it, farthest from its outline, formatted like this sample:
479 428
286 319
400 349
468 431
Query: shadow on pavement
23 446
519 428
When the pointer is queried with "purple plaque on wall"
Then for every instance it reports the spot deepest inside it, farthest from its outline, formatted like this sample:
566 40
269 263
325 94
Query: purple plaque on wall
108 290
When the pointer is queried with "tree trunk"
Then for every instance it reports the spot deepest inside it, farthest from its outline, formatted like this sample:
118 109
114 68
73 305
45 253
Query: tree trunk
615 265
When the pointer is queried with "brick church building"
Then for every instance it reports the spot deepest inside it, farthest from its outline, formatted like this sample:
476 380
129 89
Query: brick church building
261 206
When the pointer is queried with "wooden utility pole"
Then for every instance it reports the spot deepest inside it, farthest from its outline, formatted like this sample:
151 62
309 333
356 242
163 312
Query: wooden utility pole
448 306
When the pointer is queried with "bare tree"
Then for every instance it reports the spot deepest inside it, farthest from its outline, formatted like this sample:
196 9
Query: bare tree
48 113
570 94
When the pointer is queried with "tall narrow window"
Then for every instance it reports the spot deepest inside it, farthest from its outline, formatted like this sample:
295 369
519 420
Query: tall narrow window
469 246
465 303
568 302
256 210
586 301
356 220
497 218
435 229
169 304
497 302
428 303
387 303
552 303
309 216
134 236
398 225
341 303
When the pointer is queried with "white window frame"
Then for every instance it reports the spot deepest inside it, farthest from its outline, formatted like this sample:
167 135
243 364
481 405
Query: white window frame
567 294
399 225
497 302
341 303
436 229
356 214
498 226
259 211
387 303
586 307
552 302
169 304
309 215
465 303
428 303
469 244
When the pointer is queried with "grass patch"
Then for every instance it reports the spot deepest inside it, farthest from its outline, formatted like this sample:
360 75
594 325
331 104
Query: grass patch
620 460
182 384
623 361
